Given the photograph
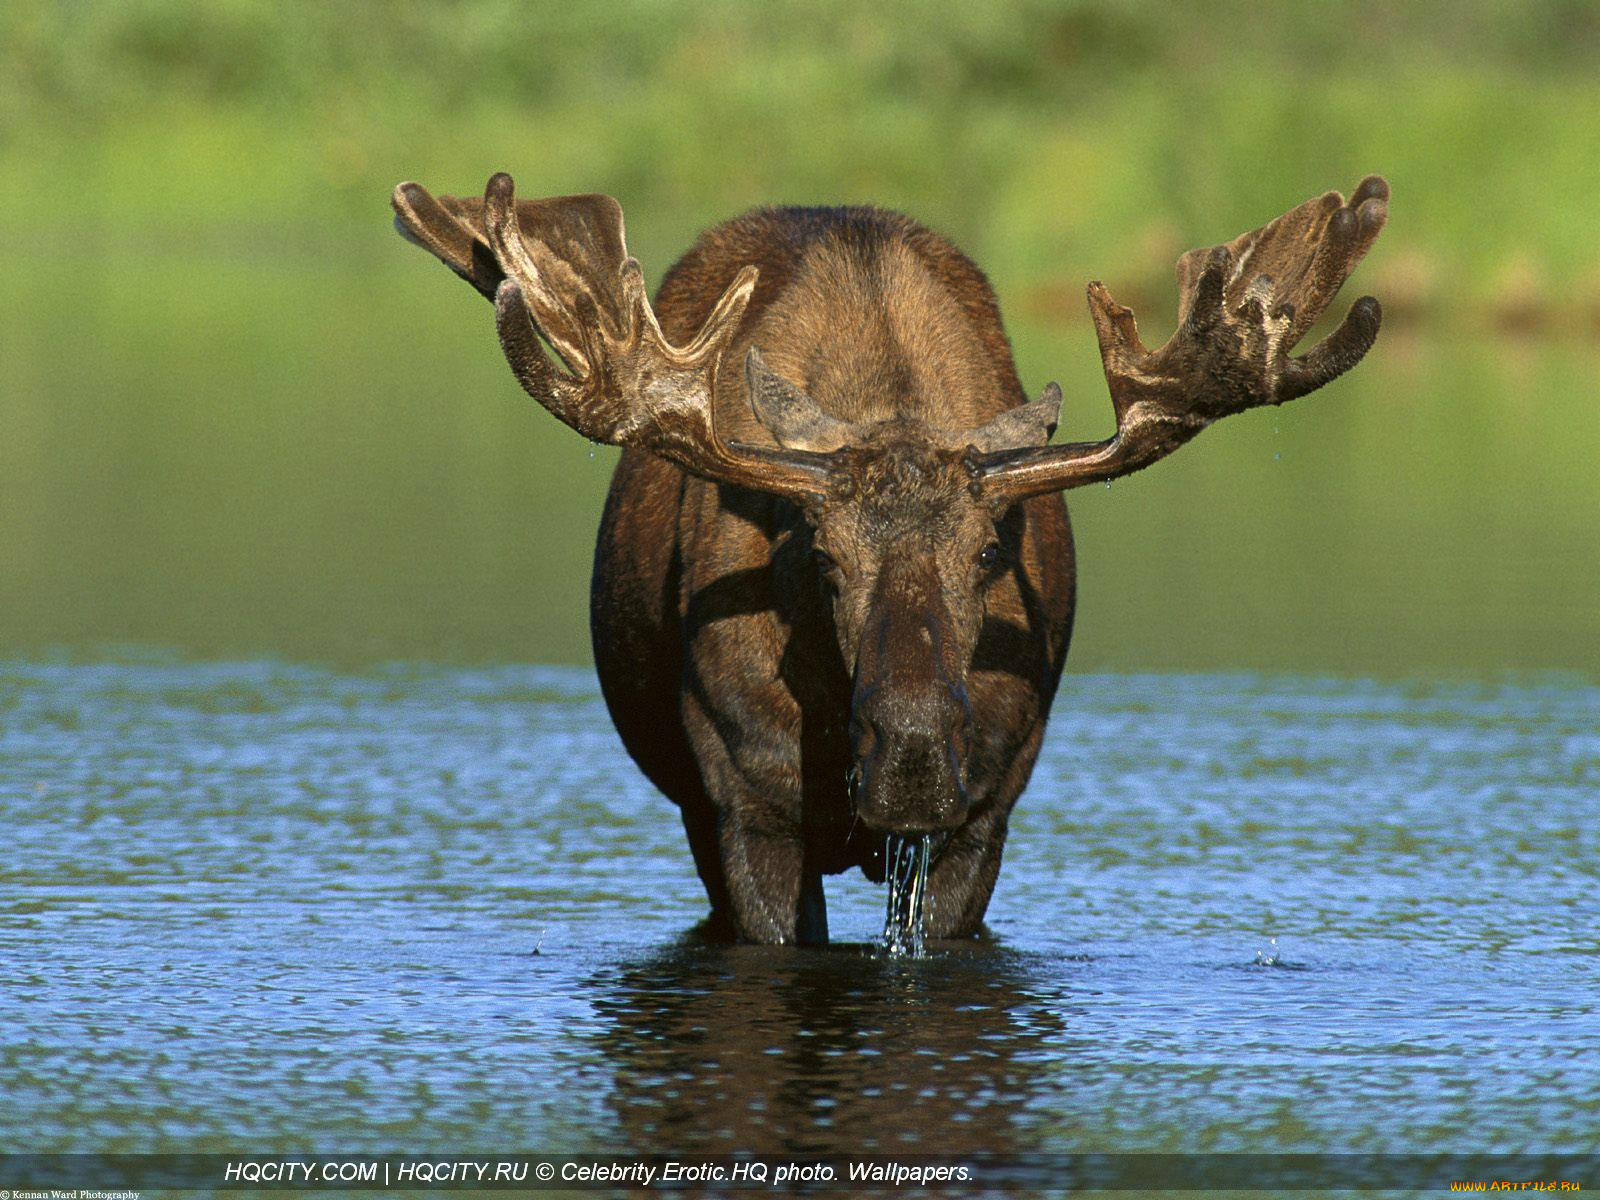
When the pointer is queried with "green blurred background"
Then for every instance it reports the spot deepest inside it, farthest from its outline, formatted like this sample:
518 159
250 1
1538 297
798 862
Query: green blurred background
239 416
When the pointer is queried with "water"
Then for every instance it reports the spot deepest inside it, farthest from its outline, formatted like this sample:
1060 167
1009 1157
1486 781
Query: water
360 478
273 906
906 867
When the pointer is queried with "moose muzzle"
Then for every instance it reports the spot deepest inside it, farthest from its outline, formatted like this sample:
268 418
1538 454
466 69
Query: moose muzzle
910 756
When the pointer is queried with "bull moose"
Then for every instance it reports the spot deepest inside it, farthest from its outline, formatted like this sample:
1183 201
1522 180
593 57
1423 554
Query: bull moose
833 590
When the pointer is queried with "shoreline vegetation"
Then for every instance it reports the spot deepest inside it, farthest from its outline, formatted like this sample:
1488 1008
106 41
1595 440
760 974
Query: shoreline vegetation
1056 142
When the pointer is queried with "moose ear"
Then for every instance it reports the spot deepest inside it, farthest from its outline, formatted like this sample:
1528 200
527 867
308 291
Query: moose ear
1020 428
791 416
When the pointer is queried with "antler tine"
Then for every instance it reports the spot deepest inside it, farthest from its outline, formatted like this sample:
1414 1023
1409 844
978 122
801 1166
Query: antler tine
565 396
1243 307
424 221
504 233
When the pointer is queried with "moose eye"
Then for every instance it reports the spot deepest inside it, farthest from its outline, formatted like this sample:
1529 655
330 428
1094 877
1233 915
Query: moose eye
824 561
989 557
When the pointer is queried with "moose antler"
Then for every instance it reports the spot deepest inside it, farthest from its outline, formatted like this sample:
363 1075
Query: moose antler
1243 307
560 268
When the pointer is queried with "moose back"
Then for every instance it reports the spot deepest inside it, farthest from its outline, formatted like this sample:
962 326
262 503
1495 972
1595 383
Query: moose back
833 587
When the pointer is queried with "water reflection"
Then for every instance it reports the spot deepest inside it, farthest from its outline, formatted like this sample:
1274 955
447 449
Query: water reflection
833 1049
368 488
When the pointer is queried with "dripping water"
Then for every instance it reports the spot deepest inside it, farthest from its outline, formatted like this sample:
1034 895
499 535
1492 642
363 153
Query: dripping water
906 868
1272 956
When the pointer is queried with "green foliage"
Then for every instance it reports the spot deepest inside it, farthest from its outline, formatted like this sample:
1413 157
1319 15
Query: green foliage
1055 138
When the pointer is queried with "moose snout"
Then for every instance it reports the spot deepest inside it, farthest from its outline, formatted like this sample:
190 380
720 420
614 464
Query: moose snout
910 760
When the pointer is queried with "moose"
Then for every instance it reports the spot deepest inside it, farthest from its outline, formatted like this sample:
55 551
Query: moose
833 590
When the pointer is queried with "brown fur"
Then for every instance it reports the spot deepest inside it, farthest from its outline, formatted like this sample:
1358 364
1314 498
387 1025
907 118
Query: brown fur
727 666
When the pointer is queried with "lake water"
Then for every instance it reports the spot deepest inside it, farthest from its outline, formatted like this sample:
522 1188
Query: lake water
279 907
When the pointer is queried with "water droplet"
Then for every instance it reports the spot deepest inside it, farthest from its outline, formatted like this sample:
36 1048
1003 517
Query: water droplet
591 451
1108 485
1277 456
906 863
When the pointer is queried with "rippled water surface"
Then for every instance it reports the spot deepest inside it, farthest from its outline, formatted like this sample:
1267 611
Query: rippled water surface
256 904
